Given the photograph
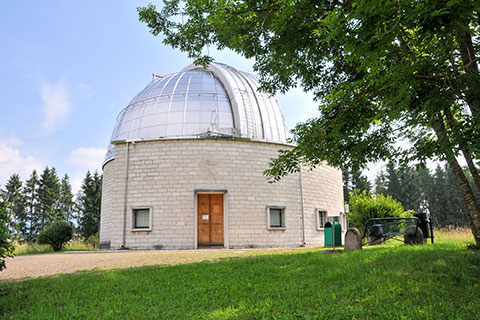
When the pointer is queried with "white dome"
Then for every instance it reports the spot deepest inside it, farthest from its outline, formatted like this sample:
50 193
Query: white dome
218 101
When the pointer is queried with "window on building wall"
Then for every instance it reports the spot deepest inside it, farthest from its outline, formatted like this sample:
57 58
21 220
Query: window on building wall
276 217
141 219
321 218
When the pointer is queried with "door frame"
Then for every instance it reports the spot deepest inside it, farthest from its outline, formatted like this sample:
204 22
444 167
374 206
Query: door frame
195 214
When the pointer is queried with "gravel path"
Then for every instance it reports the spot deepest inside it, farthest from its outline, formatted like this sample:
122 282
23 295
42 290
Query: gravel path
40 265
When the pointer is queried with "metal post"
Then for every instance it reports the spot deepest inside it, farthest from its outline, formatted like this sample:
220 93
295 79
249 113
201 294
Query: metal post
333 233
303 207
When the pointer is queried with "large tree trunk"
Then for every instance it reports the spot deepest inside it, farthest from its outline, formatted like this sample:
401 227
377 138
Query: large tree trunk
471 205
451 122
473 211
472 168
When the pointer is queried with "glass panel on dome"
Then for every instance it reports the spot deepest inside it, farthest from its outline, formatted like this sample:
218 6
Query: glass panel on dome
138 111
177 103
209 104
158 131
195 87
144 132
191 128
175 117
205 117
148 121
192 117
161 118
182 87
225 118
174 130
133 134
135 124
196 77
193 103
149 108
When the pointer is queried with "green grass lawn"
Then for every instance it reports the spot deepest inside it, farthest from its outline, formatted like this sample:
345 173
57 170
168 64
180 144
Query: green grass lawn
440 281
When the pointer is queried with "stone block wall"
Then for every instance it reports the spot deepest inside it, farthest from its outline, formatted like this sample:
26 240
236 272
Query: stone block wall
165 176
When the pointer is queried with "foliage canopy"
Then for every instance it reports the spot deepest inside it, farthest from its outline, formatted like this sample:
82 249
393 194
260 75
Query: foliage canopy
382 72
6 247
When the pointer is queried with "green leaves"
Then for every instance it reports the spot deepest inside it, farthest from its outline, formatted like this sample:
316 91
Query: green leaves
6 247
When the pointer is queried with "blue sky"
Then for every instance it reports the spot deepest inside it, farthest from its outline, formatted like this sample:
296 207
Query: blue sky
69 67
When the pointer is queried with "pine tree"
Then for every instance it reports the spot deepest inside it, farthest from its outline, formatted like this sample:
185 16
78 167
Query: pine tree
360 182
15 205
32 206
354 180
65 201
90 204
49 193
380 183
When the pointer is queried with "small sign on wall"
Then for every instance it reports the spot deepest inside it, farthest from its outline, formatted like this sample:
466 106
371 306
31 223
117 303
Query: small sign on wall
205 217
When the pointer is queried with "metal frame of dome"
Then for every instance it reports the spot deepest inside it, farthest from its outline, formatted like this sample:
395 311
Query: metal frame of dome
168 101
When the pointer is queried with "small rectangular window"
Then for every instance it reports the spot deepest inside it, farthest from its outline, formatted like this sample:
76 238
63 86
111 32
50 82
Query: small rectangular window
321 218
276 217
141 218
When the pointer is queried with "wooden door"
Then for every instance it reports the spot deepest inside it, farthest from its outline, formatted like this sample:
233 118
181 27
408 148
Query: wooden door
210 219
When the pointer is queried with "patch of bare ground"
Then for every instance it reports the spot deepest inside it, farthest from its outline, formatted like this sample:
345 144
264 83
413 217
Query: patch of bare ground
41 265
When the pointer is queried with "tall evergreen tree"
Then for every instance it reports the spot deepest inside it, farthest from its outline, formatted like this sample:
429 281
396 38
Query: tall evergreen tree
90 204
65 201
354 180
16 205
32 205
49 194
380 184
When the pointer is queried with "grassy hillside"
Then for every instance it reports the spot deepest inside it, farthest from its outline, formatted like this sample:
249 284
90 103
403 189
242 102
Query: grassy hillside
440 281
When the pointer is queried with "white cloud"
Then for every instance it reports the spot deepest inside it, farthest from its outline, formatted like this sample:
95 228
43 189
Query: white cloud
85 159
56 105
12 161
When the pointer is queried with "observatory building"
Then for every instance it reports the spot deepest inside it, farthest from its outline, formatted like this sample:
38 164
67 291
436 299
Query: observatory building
185 169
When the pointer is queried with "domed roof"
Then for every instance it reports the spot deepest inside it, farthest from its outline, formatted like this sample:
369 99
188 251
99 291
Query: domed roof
198 102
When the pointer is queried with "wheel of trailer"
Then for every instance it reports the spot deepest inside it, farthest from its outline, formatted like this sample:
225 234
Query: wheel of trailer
413 235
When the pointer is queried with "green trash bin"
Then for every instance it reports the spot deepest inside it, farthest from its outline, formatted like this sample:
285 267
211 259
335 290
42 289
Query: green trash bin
328 234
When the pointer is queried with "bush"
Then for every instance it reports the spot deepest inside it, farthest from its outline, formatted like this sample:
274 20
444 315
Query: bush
6 247
93 240
56 234
363 207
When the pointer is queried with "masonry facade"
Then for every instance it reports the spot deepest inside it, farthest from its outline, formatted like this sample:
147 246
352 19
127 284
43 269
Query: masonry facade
166 177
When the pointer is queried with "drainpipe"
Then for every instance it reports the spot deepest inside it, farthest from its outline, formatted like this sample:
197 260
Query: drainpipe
303 208
125 198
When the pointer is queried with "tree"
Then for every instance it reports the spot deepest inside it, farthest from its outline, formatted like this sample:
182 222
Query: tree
32 206
6 247
56 234
354 180
65 201
16 205
380 183
90 203
48 195
400 70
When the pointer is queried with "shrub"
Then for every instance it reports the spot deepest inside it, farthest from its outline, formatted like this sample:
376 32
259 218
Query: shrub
6 246
93 240
363 207
56 234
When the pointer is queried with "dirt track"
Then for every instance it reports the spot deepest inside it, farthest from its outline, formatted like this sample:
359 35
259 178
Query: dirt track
40 265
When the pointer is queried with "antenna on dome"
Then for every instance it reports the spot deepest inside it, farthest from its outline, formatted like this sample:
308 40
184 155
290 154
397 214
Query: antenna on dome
157 75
